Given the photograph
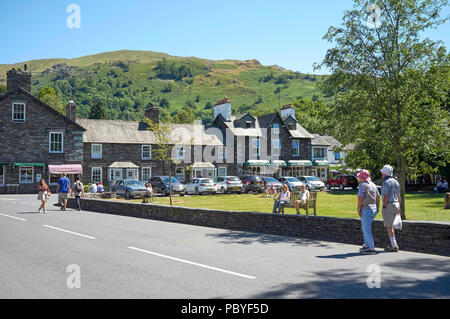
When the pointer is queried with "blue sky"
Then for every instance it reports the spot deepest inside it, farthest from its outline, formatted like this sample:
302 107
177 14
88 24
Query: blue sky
285 32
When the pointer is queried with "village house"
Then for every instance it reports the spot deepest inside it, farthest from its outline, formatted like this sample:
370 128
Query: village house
37 141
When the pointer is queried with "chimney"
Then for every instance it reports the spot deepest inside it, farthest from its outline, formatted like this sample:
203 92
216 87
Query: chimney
152 113
71 110
223 107
19 78
288 109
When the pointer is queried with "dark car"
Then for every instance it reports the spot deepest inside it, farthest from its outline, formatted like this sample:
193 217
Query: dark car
270 181
252 183
128 188
160 184
343 181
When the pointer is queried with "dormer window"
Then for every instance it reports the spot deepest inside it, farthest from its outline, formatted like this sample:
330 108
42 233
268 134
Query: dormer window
18 112
290 126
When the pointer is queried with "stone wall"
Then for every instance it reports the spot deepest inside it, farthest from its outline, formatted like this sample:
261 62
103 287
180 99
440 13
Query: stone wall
425 237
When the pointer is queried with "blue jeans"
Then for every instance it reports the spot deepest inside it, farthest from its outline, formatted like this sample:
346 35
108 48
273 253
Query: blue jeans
368 215
279 204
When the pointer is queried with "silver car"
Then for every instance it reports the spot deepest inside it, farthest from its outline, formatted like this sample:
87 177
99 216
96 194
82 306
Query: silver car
229 184
312 182
293 183
199 186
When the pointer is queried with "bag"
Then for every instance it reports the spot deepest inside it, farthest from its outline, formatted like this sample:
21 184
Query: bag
370 197
77 187
398 222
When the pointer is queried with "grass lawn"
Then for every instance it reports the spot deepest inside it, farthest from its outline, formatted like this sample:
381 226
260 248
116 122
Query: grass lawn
419 206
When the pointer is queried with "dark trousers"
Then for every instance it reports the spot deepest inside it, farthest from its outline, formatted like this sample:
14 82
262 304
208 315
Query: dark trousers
77 199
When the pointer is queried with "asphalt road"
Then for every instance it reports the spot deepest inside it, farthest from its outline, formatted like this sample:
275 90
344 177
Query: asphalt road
107 256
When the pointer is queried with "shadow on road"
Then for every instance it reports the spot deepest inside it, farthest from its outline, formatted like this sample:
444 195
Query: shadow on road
410 278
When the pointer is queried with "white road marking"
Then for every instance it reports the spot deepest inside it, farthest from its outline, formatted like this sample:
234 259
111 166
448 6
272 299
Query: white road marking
70 232
24 220
193 263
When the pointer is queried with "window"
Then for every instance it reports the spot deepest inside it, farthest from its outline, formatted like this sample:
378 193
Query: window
222 171
222 154
53 179
337 156
26 175
276 147
18 112
132 173
2 175
56 142
96 151
96 174
291 126
295 148
276 129
319 153
255 148
115 174
146 174
146 152
180 153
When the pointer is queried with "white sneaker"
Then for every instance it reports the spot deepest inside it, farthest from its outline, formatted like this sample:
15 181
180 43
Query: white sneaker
45 212
40 210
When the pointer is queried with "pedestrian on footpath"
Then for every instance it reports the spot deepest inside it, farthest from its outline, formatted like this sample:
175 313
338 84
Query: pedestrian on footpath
390 190
63 191
44 194
78 191
368 207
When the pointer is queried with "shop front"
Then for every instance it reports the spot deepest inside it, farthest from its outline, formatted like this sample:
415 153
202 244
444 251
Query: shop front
71 170
256 167
321 169
297 168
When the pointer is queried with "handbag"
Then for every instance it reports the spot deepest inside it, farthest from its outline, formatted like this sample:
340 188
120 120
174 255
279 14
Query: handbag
398 222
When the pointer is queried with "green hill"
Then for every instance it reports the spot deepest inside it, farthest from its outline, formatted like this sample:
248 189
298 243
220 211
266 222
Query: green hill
128 80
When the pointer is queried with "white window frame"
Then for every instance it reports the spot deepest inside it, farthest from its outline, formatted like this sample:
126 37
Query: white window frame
178 150
296 150
323 149
149 175
92 174
135 174
24 112
112 171
276 146
2 182
257 147
221 168
149 151
32 174
276 129
96 155
50 143
222 153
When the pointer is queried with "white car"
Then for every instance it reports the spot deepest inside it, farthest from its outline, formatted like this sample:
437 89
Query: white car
293 183
312 182
199 186
229 184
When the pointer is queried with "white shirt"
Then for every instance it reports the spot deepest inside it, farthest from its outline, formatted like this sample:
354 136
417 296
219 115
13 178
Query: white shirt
93 188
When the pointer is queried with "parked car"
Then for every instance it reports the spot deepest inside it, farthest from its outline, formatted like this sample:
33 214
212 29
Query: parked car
252 183
229 184
270 181
128 188
200 186
293 183
312 182
160 184
343 181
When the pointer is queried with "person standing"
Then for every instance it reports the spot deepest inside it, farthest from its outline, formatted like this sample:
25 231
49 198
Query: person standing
78 190
282 200
44 194
390 190
63 191
368 207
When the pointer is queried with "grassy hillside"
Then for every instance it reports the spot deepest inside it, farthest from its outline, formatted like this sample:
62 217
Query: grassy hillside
128 80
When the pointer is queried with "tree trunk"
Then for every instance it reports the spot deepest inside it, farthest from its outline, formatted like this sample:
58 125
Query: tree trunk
402 179
170 186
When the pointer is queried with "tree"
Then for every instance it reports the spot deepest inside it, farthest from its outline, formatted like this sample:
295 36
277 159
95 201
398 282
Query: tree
185 115
98 110
164 103
314 115
2 89
48 96
390 84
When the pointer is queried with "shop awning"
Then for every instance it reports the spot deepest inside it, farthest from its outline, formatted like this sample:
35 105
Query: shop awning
278 163
294 163
256 163
66 168
321 163
203 165
123 165
29 164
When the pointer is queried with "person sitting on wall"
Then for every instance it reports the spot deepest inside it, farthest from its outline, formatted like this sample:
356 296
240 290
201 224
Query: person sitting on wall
100 188
93 188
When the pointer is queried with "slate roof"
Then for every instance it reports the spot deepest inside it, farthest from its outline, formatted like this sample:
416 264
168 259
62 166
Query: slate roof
127 132
319 140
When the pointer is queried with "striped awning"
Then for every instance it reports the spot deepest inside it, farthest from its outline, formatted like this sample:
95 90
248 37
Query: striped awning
321 163
294 163
278 163
67 168
256 163
28 164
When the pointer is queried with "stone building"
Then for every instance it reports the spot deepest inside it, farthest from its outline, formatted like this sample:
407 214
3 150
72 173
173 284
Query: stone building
37 141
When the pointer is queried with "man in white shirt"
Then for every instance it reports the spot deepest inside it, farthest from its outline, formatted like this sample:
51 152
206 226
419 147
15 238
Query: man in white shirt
93 188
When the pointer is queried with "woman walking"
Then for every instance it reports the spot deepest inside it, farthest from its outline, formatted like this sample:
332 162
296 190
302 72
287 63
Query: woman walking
368 206
44 194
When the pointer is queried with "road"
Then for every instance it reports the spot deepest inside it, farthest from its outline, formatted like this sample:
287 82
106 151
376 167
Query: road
108 256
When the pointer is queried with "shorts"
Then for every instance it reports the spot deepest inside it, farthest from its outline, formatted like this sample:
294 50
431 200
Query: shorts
62 197
389 214
43 196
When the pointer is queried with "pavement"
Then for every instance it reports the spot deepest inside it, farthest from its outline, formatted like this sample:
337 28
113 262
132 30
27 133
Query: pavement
92 255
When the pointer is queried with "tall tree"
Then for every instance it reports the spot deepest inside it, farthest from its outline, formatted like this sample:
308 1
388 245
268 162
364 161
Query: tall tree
48 96
390 84
98 110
